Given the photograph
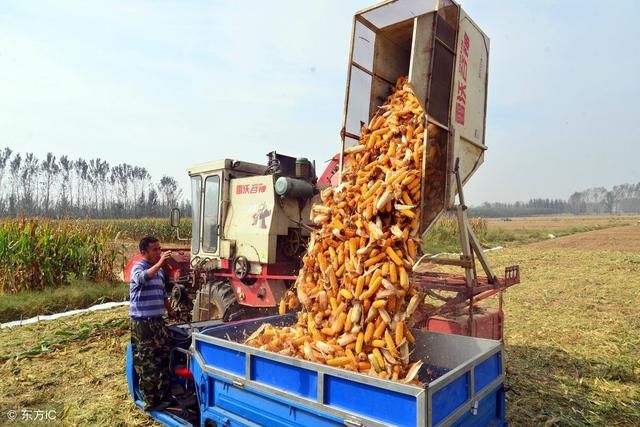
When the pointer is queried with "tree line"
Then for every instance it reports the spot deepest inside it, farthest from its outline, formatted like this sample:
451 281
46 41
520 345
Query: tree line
621 199
75 187
624 198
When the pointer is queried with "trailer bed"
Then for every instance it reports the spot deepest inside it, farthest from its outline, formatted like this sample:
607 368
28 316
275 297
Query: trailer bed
239 385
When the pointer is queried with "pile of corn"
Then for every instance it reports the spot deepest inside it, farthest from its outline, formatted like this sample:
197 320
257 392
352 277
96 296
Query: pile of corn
354 286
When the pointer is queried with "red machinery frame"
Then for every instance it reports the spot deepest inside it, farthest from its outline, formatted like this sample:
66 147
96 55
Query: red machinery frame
460 314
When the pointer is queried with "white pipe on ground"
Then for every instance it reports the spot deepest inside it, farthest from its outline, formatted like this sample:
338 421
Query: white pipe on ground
103 306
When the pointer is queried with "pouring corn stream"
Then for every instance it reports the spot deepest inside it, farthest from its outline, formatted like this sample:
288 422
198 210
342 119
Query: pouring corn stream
354 290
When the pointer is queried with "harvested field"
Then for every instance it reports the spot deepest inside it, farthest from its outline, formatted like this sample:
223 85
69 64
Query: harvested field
572 335
562 222
76 363
625 238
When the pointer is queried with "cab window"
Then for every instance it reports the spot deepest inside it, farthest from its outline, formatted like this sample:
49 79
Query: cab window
211 209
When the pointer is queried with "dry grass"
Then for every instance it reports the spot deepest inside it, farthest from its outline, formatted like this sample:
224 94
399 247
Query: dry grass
572 345
76 362
572 333
561 222
617 238
443 236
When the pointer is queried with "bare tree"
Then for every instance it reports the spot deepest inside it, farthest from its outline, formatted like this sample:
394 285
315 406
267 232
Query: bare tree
4 159
50 170
103 173
140 177
170 192
121 177
61 186
608 200
66 166
94 181
152 201
14 168
81 167
28 179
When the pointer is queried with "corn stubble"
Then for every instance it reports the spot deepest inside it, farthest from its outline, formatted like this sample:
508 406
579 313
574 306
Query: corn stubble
354 285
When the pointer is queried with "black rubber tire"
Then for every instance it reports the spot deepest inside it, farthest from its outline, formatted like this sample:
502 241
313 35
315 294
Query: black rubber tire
217 301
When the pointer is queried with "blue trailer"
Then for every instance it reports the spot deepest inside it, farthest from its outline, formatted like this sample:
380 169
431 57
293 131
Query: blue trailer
239 385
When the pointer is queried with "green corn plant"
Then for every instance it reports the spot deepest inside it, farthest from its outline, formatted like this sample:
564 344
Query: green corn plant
35 253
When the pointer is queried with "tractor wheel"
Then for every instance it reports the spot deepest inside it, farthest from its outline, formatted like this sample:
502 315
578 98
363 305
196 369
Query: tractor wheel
216 300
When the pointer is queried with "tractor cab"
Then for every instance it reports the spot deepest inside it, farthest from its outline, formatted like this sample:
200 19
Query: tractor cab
209 188
250 224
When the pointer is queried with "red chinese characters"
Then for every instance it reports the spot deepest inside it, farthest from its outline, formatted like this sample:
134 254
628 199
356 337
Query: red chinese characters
461 90
250 188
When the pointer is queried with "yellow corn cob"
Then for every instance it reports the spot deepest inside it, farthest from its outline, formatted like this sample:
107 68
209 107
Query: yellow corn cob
351 356
333 280
333 257
409 134
364 366
393 272
409 336
340 270
391 345
379 331
406 199
385 269
353 248
404 277
408 213
376 259
346 294
342 318
399 332
299 341
379 303
393 256
322 262
339 361
392 148
373 287
359 342
347 322
415 184
379 357
328 331
359 287
371 191
368 334
411 248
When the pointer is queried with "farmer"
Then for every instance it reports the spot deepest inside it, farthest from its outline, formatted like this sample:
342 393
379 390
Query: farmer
149 337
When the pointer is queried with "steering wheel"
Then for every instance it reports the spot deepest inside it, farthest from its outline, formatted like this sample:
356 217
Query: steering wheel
240 267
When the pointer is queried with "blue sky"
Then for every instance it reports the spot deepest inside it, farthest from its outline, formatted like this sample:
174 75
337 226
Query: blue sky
165 84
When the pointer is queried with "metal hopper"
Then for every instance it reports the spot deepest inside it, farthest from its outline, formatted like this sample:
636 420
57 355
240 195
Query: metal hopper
445 55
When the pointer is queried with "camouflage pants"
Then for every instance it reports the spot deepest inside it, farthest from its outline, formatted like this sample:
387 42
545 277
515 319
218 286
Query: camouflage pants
151 346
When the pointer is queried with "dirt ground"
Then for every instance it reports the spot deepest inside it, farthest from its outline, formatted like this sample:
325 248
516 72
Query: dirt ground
561 222
616 238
